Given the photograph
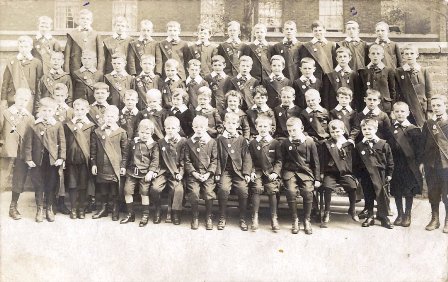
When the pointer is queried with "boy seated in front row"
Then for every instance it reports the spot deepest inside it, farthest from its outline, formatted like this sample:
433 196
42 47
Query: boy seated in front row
97 108
286 110
154 112
146 80
266 171
78 179
244 82
219 82
205 109
336 162
171 172
260 97
233 171
171 82
182 112
374 166
315 118
306 81
118 80
201 159
107 148
300 172
343 111
233 101
128 115
44 148
194 82
276 81
141 160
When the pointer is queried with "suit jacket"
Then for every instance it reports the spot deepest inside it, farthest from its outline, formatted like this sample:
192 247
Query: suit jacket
167 91
219 89
47 83
78 142
392 55
383 125
42 49
128 121
140 158
137 49
291 55
172 157
325 56
252 116
348 118
117 87
316 124
335 160
111 46
231 53
261 56
201 158
235 149
96 114
335 80
281 116
186 121
215 126
83 84
266 157
359 51
204 54
301 87
383 81
157 117
274 87
435 154
300 159
245 88
63 113
192 89
77 41
244 128
180 52
142 84
13 128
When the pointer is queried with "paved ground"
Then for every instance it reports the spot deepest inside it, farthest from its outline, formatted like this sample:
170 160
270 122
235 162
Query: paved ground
102 250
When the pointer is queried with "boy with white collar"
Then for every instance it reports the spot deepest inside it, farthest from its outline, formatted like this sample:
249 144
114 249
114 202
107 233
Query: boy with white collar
356 45
86 77
219 82
232 49
306 81
201 159
205 109
118 80
233 102
14 123
143 45
194 81
374 166
117 43
108 145
44 43
171 82
154 112
392 54
60 95
343 111
266 171
379 77
146 80
260 52
182 112
142 164
23 71
288 48
260 97
79 180
45 152
203 50
80 39
276 81
284 111
315 118
97 108
414 86
128 115
320 49
244 82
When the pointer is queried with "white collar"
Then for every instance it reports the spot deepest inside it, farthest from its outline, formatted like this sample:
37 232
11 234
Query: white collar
176 78
340 142
272 76
407 67
339 108
268 138
302 138
198 79
222 73
338 68
199 108
14 110
206 138
405 123
380 65
47 36
293 40
387 40
312 78
257 42
176 39
84 119
58 71
83 69
96 103
206 43
290 106
315 40
374 139
177 137
79 28
133 112
151 75
444 117
375 111
231 111
230 40
122 73
142 38
112 127
319 109
21 57
350 39
148 142
248 76
226 134
159 108
264 108
122 36
182 108
51 120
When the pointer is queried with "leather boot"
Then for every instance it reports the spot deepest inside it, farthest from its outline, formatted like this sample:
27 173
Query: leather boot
254 226
385 222
130 217
399 220
145 216
363 214
274 223
157 214
370 219
445 227
168 215
102 212
115 211
243 224
50 213
434 223
91 205
243 210
176 217
40 214
352 213
222 211
307 226
406 219
81 214
62 208
325 220
195 220
13 212
73 213
208 214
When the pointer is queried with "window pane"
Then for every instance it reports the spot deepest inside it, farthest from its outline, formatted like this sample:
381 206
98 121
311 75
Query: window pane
331 14
270 14
127 9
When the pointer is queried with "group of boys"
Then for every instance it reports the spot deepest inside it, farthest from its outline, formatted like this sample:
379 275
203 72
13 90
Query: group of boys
207 119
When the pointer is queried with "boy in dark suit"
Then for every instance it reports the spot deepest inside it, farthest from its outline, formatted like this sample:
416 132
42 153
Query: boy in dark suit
80 39
265 176
194 82
128 115
118 80
44 43
117 43
60 94
343 111
171 82
154 112
260 97
276 81
356 45
219 82
203 50
97 108
84 78
392 54
232 49
244 82
289 50
201 158
435 160
45 151
233 170
315 118
286 110
300 171
205 109
306 81
260 53
233 102
182 112
374 166
146 80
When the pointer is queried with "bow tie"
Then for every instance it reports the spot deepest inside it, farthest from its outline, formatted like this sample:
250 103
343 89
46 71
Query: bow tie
199 139
344 72
107 127
146 76
439 118
399 124
288 43
413 70
296 141
307 82
192 82
175 109
218 77
79 121
370 113
174 42
243 78
84 29
375 67
344 108
263 140
230 136
370 142
173 140
382 42
285 107
278 78
100 106
315 112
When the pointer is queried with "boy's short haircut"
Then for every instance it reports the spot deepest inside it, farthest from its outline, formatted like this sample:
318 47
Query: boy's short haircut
344 91
204 90
278 58
60 86
317 24
45 19
294 121
234 23
232 117
148 57
204 26
130 92
47 102
400 104
24 92
246 59
307 60
146 124
369 122
373 92
288 89
262 119
112 109
154 93
312 93
233 93
261 90
409 47
344 50
440 97
172 63
88 53
336 123
200 120
81 102
382 24
100 85
352 22
218 58
376 47
181 92
120 19
194 62
146 23
25 39
86 12
118 56
173 24
57 54
260 25
290 23
172 120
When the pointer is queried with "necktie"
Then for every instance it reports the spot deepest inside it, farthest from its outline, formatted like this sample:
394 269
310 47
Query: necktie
243 78
174 42
278 78
439 118
296 142
285 107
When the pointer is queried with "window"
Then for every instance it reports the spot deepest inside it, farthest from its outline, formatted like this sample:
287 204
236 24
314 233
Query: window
127 9
270 14
331 14
212 13
65 14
